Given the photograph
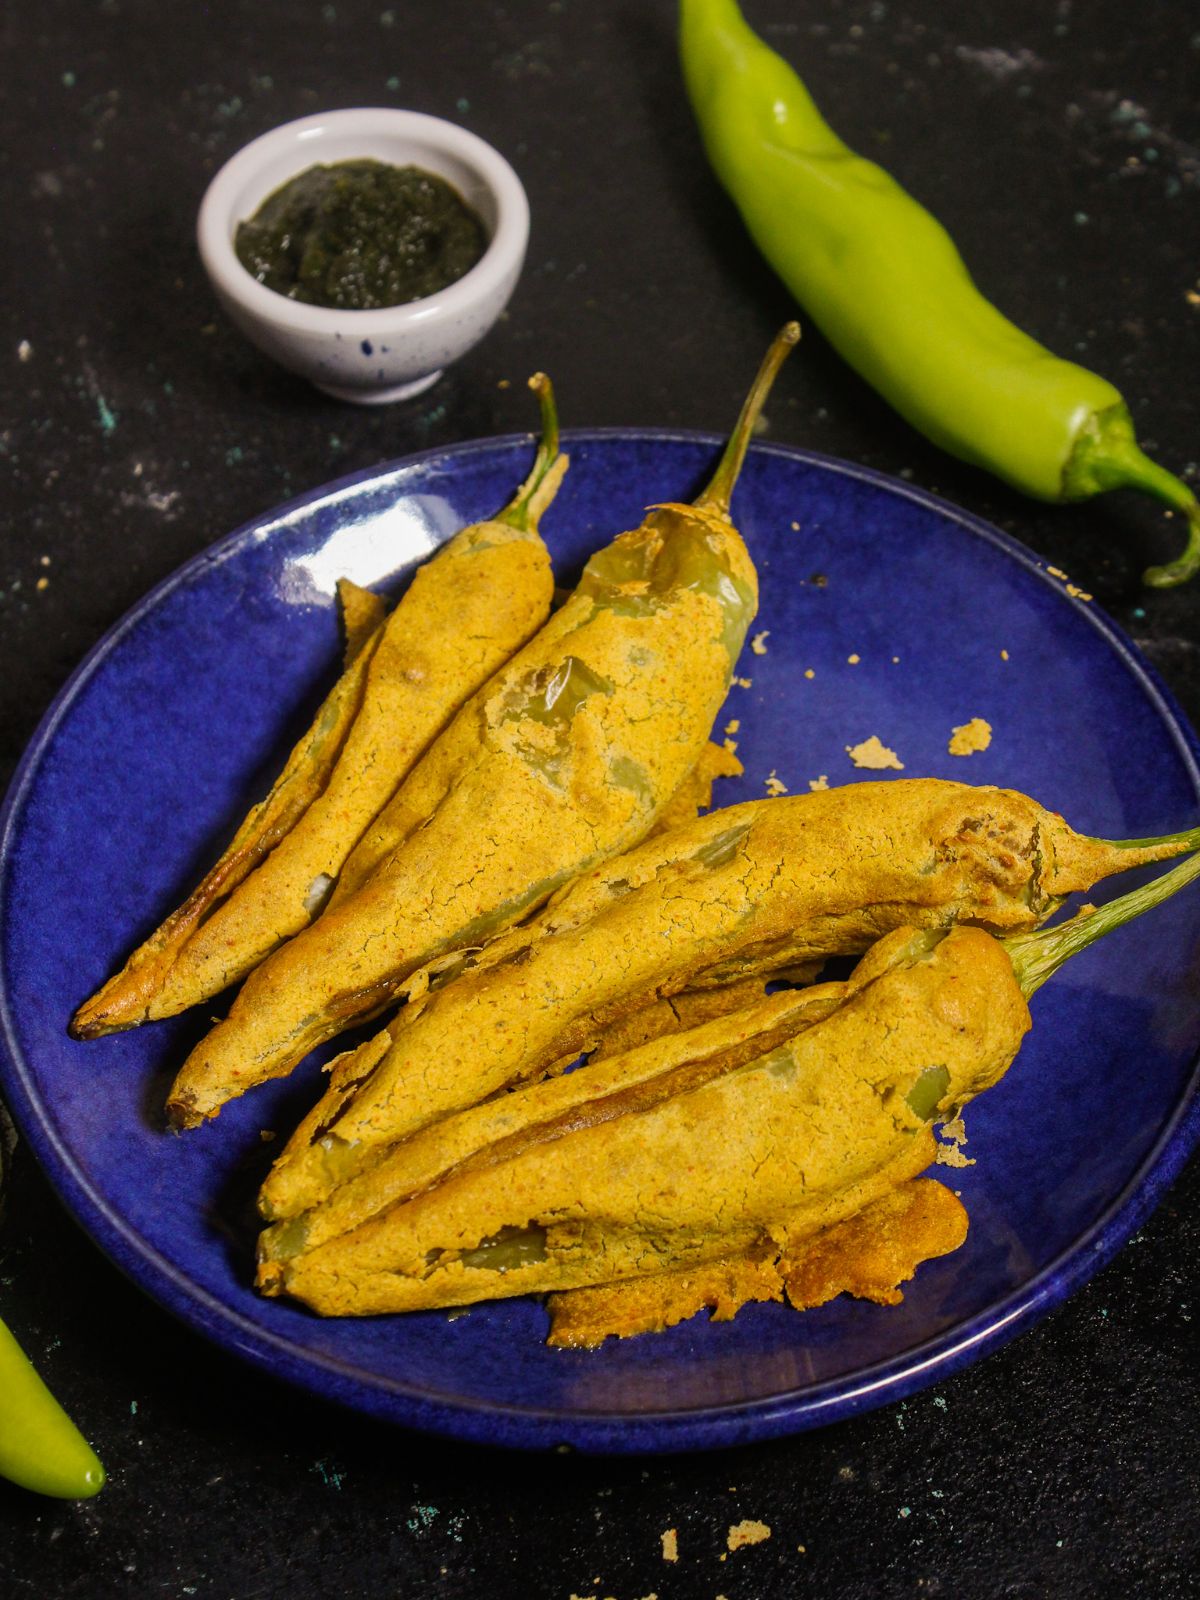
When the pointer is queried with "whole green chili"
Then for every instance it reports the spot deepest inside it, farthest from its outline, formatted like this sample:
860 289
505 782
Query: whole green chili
40 1447
887 286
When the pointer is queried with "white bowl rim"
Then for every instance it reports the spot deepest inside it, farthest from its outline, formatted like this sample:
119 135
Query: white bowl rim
503 255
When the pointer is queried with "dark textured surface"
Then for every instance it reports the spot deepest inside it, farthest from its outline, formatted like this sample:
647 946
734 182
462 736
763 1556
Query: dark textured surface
1059 144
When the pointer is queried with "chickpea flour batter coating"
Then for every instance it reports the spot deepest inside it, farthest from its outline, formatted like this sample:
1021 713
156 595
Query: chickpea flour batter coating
762 1129
479 598
801 1135
750 889
869 1256
565 757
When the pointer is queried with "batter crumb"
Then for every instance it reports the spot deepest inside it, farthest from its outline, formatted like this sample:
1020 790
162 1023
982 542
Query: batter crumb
43 582
795 527
743 1533
775 786
743 683
1004 655
730 745
670 1545
809 673
854 659
759 642
1077 593
971 737
1057 572
818 783
874 755
733 725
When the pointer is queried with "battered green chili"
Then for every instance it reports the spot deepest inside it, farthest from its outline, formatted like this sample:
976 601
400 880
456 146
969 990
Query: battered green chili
361 234
885 283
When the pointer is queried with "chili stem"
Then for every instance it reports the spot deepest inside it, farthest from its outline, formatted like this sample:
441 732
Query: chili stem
530 499
1037 956
720 489
1178 843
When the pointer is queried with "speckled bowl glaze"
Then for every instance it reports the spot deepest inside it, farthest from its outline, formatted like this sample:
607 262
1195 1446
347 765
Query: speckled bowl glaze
369 357
923 619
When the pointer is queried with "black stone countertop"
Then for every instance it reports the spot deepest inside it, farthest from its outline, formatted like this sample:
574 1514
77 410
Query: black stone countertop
1060 144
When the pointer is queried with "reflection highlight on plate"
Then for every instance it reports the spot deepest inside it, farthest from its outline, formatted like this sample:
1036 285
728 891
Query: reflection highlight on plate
369 548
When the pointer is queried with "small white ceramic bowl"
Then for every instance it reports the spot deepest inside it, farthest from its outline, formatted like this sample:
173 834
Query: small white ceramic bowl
367 356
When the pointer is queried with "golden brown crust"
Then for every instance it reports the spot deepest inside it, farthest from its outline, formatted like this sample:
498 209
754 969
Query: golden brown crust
869 1256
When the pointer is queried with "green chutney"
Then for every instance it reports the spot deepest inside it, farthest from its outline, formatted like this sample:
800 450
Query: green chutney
359 235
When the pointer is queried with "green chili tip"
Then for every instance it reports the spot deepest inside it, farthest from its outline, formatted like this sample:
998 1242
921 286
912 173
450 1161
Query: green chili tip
1037 956
1106 455
720 489
532 498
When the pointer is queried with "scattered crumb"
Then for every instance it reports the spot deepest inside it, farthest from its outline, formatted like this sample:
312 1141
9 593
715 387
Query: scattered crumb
743 1533
670 1545
874 755
795 527
809 673
1057 572
775 786
44 561
266 1135
818 783
743 683
854 659
504 384
971 737
733 725
759 642
950 1154
1077 593
895 661
43 583
1004 655
730 745
802 1549
1190 295
24 350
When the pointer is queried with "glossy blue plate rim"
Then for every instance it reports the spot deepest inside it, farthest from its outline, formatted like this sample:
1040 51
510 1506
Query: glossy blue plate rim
611 1433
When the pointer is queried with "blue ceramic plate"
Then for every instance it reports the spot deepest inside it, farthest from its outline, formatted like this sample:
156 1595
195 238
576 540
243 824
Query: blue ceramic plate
883 612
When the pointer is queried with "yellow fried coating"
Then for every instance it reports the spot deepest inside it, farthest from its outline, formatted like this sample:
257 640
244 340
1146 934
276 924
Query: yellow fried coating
782 1146
480 597
362 612
694 794
126 999
567 756
467 610
744 891
637 1078
869 1256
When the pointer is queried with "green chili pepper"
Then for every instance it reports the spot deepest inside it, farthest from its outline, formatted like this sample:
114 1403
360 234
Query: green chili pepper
40 1447
885 283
